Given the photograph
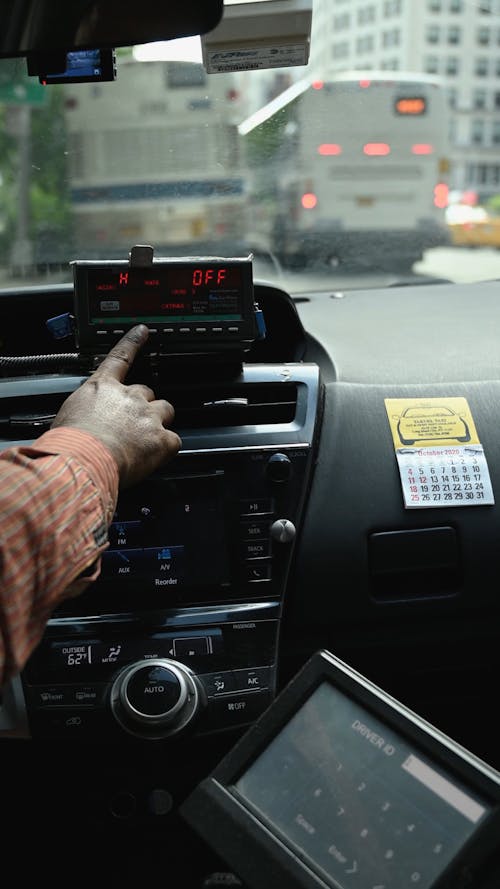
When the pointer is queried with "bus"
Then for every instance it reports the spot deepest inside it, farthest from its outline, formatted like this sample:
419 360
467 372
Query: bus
137 179
361 167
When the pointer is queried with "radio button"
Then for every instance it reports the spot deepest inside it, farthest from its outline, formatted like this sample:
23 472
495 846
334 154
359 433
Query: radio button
256 549
124 534
257 507
200 329
254 530
118 563
279 468
255 573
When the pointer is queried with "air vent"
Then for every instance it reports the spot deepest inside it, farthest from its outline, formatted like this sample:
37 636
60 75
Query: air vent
249 404
196 407
27 416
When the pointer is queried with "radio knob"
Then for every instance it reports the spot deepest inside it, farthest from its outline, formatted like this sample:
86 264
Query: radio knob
155 698
283 531
279 468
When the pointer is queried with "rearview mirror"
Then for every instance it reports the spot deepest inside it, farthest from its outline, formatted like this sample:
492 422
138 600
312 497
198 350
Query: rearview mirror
35 27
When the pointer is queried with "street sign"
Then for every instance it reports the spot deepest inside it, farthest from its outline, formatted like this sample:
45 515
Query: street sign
16 87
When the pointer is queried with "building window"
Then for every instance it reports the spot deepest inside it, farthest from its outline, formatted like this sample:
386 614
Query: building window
495 132
431 65
496 100
432 34
483 36
454 34
366 15
391 38
340 50
365 44
477 132
452 65
341 22
481 67
484 6
434 5
479 99
392 7
452 97
456 5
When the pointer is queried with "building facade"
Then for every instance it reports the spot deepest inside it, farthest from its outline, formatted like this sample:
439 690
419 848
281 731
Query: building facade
458 40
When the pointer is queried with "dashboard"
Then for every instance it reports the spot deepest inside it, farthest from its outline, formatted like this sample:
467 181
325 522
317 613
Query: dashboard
284 526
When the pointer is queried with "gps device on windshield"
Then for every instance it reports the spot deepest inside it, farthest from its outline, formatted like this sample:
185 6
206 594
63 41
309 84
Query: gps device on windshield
192 305
339 785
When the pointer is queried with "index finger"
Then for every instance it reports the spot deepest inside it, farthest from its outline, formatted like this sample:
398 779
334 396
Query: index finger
120 358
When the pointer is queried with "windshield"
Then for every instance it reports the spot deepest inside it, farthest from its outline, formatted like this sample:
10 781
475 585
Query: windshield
375 163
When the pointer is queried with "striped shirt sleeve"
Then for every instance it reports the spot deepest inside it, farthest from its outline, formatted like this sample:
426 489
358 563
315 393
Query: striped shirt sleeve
57 499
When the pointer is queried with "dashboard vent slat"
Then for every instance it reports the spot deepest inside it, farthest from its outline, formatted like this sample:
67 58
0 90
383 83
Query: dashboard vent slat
216 405
252 404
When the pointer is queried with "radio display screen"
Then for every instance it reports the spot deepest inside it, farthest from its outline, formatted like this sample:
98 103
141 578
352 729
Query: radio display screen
360 803
174 292
167 547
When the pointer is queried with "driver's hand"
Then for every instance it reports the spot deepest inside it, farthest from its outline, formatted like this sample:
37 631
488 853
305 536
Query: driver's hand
129 420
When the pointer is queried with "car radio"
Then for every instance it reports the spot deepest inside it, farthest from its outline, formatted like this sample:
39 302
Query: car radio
179 632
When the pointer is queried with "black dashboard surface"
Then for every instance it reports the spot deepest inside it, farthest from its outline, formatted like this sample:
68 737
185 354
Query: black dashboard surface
407 597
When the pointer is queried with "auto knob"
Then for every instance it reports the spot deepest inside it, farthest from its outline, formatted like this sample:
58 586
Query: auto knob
283 531
155 698
279 468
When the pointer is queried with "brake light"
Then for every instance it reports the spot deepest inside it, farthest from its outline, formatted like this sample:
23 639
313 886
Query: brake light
441 195
376 148
328 148
422 148
364 84
317 84
309 200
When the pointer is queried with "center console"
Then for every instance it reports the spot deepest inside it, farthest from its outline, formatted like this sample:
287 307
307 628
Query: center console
179 633
181 628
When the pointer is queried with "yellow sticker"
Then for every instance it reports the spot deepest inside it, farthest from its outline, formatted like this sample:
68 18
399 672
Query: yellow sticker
427 422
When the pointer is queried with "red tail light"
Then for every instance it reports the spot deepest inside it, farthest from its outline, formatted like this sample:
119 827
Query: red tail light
328 148
422 148
364 84
317 84
376 148
309 200
441 195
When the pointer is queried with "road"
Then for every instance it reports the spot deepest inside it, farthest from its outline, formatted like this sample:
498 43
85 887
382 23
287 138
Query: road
457 264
